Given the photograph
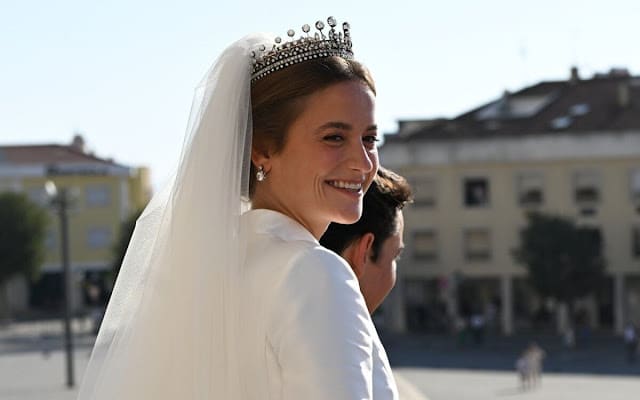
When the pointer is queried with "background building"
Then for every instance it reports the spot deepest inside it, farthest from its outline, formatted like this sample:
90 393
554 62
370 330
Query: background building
565 147
105 193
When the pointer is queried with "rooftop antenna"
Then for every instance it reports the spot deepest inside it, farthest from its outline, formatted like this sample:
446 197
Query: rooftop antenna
523 53
575 38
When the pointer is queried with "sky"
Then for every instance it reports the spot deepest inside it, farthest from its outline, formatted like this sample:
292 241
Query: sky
122 72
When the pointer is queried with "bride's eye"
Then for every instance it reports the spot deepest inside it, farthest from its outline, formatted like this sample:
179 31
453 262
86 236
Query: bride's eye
334 138
370 140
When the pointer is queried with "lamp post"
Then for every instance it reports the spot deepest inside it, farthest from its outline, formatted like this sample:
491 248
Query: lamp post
60 201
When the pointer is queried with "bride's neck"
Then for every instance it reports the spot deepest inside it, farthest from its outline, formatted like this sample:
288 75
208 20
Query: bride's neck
316 228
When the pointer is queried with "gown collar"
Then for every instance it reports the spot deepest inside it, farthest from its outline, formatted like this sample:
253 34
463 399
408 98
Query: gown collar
279 225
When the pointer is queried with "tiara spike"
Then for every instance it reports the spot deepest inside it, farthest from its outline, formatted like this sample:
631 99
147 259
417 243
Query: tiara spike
308 47
320 27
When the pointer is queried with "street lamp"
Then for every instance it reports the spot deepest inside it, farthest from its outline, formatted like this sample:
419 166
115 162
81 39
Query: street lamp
60 200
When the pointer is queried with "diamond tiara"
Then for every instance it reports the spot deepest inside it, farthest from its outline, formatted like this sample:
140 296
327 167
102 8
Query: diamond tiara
282 55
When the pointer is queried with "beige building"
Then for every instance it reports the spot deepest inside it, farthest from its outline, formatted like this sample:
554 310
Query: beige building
567 147
104 192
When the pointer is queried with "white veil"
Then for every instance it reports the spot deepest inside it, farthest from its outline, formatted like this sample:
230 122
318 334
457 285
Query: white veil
169 328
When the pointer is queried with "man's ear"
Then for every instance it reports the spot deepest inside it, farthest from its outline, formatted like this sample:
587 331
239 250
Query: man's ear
360 253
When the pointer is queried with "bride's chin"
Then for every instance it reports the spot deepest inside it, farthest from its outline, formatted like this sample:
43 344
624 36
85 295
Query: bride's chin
348 218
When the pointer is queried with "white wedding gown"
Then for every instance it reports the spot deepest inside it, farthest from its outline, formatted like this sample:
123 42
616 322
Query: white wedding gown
306 330
211 303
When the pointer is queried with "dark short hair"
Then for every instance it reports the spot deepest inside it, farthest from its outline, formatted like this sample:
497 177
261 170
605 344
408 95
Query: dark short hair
389 192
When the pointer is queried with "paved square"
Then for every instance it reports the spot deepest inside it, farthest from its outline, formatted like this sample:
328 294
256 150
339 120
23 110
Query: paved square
32 367
447 384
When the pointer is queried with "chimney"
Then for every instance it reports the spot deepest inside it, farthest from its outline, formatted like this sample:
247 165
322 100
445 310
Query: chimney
624 95
78 143
504 108
575 76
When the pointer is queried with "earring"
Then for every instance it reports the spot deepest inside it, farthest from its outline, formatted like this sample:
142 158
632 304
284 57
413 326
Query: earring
261 175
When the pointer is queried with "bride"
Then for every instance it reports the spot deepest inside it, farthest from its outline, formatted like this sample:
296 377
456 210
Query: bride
225 292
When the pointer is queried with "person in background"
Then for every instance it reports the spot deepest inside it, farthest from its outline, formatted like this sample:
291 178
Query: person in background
372 245
523 369
569 338
534 356
477 323
631 342
529 366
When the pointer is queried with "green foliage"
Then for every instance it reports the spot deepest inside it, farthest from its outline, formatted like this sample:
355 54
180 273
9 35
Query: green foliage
121 245
564 260
23 227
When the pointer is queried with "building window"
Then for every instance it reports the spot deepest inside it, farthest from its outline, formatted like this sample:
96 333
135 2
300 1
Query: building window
635 241
98 238
477 244
98 196
476 192
586 187
425 245
530 189
424 191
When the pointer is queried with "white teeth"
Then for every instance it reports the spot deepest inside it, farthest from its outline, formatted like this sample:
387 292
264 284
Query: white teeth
346 185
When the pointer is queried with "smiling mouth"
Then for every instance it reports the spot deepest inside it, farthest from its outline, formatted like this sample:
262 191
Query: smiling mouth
355 187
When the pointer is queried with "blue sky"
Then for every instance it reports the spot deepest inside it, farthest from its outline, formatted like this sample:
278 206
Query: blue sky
123 72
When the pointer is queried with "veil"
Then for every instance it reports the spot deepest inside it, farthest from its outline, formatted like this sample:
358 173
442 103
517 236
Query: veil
170 326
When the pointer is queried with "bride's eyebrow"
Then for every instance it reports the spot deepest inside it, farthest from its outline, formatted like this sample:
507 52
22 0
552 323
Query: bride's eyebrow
334 125
342 125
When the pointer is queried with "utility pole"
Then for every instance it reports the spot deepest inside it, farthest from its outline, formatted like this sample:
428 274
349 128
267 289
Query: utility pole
61 201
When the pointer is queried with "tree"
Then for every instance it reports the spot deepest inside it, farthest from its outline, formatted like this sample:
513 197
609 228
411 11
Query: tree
121 245
564 260
22 232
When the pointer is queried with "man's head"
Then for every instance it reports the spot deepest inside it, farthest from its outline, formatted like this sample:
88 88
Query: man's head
372 245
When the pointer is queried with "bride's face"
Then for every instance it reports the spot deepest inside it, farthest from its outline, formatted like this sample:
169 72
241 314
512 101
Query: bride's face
329 158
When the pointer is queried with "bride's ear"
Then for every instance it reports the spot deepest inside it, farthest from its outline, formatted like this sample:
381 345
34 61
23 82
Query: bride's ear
261 158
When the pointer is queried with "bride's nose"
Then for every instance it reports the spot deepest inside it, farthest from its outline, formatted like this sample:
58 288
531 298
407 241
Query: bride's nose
361 159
